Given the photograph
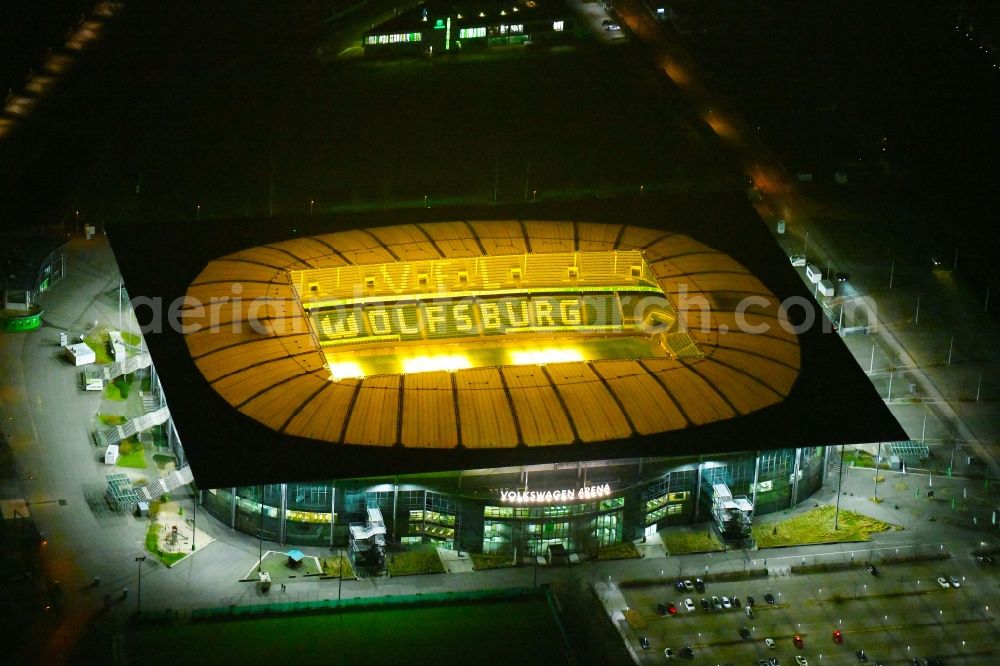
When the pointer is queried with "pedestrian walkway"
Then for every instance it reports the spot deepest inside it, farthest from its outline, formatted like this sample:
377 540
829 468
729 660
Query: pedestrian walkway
652 547
454 561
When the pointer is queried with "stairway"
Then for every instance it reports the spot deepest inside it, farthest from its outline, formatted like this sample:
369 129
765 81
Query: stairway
166 484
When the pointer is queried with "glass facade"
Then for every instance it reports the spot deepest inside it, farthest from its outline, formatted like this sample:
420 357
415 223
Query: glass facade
309 514
480 511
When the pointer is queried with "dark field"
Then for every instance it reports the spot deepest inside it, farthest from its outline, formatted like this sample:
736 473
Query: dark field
898 98
231 110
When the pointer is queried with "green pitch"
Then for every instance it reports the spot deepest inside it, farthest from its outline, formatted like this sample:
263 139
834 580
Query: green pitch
519 631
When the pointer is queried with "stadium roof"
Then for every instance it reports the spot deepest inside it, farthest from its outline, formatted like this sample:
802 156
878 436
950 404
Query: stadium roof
258 406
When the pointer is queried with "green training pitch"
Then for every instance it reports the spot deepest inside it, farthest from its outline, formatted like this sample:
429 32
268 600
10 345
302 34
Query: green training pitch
519 631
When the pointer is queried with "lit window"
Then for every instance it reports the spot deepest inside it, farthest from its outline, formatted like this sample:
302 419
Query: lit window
469 33
557 26
517 27
394 39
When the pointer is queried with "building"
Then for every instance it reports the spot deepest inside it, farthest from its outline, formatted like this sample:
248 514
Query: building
32 263
441 26
504 384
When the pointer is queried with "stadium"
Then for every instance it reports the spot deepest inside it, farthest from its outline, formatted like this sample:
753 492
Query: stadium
521 385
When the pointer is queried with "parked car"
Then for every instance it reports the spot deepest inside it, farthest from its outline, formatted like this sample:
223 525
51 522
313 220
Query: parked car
726 603
699 584
984 560
687 652
749 611
668 653
745 633
679 586
798 260
661 608
943 582
704 604
672 608
644 642
797 640
801 661
769 598
688 605
688 585
736 602
837 636
716 604
862 657
954 581
751 601
872 570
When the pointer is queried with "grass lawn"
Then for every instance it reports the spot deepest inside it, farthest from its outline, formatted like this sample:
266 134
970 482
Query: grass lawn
679 541
414 562
153 547
816 526
113 391
621 551
520 631
96 342
864 459
111 420
135 458
277 565
481 561
332 566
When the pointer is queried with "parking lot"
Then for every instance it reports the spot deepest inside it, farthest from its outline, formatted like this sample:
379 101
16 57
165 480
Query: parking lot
900 614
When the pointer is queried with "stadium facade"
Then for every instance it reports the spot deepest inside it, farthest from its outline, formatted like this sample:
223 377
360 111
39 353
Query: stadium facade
514 386
523 510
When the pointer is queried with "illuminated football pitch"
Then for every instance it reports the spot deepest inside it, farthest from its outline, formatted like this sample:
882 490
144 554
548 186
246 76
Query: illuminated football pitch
523 309
518 631
457 356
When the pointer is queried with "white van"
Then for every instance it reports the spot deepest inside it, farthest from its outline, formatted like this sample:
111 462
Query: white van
814 273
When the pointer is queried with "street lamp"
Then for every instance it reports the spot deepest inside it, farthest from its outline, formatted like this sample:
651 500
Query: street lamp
138 588
197 211
311 204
